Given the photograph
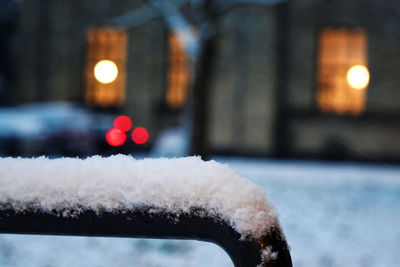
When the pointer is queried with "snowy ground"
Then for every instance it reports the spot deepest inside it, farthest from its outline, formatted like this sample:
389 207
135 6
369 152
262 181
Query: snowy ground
333 215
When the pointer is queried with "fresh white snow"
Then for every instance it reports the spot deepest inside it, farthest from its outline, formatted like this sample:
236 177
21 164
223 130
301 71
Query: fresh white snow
122 182
333 215
56 251
267 255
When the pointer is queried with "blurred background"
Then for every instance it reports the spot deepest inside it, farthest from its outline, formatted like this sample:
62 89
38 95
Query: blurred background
302 97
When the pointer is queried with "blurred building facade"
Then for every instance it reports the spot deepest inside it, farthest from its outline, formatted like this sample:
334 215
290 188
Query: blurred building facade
364 126
279 84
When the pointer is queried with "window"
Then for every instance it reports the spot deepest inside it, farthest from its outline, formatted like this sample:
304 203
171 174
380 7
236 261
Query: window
342 75
178 74
105 73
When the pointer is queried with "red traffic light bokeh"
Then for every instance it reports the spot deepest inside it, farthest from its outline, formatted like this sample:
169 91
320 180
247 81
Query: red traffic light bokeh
124 123
140 135
115 137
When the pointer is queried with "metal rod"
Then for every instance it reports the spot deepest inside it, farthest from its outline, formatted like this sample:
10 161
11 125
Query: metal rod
147 223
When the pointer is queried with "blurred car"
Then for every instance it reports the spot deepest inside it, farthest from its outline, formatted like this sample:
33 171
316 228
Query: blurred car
51 129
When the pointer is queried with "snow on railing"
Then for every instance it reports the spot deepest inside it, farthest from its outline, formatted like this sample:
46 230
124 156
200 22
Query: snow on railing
121 196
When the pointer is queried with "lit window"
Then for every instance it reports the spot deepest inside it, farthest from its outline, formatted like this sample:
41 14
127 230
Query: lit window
178 74
342 73
105 73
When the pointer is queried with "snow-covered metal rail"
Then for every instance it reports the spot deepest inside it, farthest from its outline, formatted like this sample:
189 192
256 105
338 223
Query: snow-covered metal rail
122 197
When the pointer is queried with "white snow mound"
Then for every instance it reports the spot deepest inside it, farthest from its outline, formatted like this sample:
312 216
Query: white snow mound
122 182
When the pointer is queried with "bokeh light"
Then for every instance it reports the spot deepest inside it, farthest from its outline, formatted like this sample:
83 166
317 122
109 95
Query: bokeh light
124 123
115 137
358 77
140 135
105 71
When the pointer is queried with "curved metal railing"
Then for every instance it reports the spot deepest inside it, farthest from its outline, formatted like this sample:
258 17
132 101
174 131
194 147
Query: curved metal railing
144 222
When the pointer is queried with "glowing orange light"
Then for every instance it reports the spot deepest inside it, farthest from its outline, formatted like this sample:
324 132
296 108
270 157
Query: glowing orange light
115 137
140 135
123 123
358 77
106 71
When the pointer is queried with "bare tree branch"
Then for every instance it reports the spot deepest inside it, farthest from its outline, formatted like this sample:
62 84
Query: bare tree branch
178 24
223 5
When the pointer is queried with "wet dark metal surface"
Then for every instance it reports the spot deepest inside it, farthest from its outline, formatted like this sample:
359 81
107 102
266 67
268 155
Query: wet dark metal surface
148 224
